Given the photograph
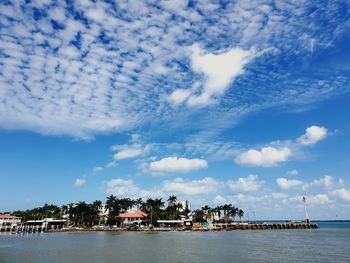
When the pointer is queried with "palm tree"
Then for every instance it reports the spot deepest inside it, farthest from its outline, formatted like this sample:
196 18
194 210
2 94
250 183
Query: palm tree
158 204
138 203
126 204
207 211
179 206
186 210
218 210
172 205
113 206
199 215
172 200
240 214
232 212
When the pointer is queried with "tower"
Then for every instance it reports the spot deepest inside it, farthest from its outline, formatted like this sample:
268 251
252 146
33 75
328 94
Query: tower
307 218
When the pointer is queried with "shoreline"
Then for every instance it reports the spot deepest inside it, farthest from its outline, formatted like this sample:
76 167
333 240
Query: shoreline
237 227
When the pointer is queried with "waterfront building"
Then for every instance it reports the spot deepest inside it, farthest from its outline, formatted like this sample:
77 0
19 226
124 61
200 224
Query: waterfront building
134 217
46 223
7 220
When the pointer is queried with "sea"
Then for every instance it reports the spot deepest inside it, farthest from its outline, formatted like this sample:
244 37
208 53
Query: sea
329 243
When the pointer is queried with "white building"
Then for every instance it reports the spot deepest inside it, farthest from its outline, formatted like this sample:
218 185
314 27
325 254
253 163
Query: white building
9 220
133 217
47 223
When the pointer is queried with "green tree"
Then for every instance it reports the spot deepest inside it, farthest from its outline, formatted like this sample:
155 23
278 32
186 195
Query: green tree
240 214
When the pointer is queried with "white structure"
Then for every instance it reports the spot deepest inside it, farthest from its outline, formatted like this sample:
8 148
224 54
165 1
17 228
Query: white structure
7 220
133 217
307 218
47 223
175 223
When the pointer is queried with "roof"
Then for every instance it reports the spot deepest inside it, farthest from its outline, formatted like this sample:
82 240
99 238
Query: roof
133 214
8 216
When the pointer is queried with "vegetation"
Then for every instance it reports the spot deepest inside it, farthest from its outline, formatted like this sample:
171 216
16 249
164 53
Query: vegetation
89 214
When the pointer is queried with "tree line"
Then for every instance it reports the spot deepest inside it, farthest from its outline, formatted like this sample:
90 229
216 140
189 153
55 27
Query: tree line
89 214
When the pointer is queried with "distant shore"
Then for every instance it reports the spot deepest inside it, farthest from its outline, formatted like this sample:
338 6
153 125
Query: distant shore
270 226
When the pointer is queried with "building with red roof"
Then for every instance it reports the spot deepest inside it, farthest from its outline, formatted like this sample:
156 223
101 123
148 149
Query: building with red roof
133 217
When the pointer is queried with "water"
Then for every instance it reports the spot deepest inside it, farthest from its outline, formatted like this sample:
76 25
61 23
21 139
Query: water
330 243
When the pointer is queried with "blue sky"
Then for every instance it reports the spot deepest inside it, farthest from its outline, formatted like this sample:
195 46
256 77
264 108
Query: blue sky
216 102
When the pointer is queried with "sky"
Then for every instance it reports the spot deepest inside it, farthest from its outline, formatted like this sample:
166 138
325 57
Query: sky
242 102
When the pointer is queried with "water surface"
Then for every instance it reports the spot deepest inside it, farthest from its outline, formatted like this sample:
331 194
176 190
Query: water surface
327 244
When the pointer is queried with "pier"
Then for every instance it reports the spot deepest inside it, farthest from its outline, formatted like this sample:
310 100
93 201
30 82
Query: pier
34 226
246 226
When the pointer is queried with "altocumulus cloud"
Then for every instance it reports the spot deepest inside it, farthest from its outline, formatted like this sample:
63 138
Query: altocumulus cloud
219 71
84 67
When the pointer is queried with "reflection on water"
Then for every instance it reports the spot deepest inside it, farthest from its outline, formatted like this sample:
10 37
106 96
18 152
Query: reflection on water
320 245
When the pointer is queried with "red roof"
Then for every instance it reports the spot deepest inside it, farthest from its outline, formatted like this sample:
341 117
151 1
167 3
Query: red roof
8 216
133 214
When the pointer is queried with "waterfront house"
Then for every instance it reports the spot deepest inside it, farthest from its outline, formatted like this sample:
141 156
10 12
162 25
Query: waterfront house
8 221
134 217
46 223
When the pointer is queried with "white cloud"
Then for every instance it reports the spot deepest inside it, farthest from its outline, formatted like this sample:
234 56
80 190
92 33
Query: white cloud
313 135
97 169
286 184
343 194
127 154
111 164
121 187
293 172
219 69
319 199
130 151
83 79
326 182
79 182
245 184
177 165
220 200
180 186
179 96
266 157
